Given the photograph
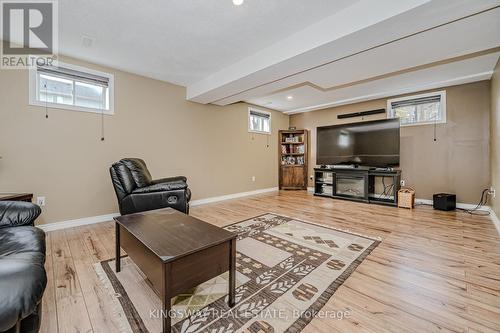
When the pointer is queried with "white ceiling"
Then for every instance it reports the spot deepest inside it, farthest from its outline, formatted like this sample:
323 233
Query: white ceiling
181 41
309 98
322 52
401 62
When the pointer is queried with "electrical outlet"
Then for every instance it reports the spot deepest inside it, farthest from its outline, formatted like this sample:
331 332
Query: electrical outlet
492 192
253 178
40 201
402 182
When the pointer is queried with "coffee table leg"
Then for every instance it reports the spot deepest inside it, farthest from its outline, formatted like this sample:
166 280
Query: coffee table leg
117 245
167 298
232 272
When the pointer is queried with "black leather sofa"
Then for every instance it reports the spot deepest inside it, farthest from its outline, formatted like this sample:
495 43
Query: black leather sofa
22 272
136 191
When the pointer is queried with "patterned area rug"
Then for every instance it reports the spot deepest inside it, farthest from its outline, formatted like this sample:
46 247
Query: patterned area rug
286 271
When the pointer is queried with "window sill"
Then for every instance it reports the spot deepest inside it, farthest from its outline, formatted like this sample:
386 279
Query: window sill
259 132
425 123
71 108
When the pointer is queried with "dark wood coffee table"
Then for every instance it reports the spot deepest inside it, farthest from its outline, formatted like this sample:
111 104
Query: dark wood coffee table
176 252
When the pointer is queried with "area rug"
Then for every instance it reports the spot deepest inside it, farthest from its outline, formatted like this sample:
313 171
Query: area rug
286 271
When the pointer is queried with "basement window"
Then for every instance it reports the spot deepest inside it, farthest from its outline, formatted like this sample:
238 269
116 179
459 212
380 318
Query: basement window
259 121
421 109
72 88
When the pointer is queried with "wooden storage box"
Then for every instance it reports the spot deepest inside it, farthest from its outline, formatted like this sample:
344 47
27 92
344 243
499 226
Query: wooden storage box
406 198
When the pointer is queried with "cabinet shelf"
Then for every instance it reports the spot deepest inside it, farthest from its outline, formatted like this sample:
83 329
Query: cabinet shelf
361 185
292 164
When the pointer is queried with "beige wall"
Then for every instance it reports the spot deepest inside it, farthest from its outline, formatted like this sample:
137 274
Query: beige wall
457 162
63 159
495 137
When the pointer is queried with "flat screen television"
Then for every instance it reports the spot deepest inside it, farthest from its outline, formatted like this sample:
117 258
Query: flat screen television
371 143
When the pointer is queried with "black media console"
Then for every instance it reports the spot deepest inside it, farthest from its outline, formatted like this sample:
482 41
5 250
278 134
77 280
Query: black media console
357 184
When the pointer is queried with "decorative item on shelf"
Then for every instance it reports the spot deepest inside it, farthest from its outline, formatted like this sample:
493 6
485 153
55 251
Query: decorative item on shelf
292 139
283 149
290 160
406 198
328 178
326 190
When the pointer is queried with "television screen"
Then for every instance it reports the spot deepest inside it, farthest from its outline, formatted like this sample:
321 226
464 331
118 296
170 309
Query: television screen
372 143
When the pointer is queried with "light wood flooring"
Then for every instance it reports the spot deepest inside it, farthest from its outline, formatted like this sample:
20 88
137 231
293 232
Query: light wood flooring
434 271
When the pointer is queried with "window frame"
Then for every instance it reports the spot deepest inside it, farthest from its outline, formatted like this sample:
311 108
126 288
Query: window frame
250 130
34 89
442 106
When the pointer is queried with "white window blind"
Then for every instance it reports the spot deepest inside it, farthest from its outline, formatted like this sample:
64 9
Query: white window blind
419 109
259 121
74 75
71 87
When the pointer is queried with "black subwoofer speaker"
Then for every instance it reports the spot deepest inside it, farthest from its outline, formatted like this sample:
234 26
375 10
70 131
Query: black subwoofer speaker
444 201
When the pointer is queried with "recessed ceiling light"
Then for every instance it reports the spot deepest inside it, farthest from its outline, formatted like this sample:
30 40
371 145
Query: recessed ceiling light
289 97
237 2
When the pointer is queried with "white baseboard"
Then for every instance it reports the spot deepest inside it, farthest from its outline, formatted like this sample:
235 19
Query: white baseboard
492 215
459 204
77 222
109 217
231 196
495 220
429 202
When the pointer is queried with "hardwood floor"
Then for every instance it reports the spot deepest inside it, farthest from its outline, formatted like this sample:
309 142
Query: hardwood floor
434 271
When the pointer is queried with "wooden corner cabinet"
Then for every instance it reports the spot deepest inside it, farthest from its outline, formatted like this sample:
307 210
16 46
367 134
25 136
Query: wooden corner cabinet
292 159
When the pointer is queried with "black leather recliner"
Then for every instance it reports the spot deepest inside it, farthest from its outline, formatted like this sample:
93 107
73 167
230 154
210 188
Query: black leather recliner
22 273
137 191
